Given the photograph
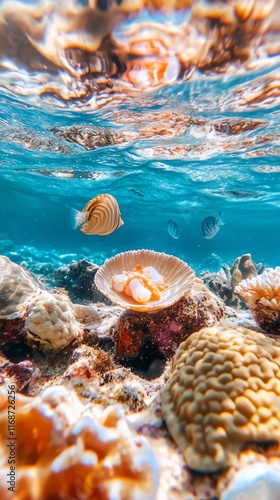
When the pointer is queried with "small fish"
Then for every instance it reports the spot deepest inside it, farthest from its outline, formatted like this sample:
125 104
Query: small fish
101 215
173 229
211 225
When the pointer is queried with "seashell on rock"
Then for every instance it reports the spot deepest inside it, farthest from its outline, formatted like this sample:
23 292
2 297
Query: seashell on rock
177 275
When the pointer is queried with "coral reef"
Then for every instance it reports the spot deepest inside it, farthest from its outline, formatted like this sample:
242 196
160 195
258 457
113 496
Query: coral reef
78 279
223 282
52 320
31 314
18 288
138 333
21 373
65 449
223 393
262 295
177 275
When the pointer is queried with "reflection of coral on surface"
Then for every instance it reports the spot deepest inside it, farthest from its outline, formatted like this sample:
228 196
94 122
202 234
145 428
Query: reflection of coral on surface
224 392
262 295
76 50
67 450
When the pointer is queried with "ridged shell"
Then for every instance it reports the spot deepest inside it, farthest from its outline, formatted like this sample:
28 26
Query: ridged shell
177 275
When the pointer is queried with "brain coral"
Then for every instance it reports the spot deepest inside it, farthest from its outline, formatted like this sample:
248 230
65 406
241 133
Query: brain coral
262 295
223 393
52 319
67 450
18 287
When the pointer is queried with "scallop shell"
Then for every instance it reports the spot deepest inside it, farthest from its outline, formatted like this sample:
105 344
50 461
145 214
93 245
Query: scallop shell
177 275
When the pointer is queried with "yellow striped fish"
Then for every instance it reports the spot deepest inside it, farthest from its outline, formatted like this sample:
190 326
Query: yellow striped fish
101 215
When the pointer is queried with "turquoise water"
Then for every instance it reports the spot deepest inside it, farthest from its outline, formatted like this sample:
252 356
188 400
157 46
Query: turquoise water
155 177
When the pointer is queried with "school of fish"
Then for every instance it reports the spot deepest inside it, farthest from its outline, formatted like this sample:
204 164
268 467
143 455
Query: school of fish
101 216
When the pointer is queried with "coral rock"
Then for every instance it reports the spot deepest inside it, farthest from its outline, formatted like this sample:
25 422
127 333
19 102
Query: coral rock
20 373
166 328
224 281
223 393
18 288
262 295
67 450
52 320
78 279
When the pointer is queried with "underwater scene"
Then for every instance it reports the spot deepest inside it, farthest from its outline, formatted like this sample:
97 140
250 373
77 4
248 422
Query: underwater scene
139 250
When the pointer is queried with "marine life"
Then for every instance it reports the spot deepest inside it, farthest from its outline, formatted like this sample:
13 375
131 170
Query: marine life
76 450
177 275
211 225
223 392
101 216
142 283
18 288
227 278
173 229
78 279
142 333
262 295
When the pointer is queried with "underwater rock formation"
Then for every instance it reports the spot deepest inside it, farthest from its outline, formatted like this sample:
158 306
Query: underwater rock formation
52 320
31 314
66 449
262 295
78 280
21 373
223 282
223 393
18 288
138 333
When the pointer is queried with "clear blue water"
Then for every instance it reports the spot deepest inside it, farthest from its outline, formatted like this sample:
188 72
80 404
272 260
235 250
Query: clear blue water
238 174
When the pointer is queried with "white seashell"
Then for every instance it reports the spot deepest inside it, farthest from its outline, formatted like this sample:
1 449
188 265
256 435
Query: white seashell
119 282
177 275
139 292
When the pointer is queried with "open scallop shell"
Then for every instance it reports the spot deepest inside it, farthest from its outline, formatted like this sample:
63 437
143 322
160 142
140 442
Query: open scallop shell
177 275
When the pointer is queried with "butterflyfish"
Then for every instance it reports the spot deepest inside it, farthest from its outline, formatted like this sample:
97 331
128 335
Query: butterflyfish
101 216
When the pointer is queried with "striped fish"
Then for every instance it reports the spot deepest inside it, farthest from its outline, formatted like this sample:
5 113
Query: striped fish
211 225
173 229
100 216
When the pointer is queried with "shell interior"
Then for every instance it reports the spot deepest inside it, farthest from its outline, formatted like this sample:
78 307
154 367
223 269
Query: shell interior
177 275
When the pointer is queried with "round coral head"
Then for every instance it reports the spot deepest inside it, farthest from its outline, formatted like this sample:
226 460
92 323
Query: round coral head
178 276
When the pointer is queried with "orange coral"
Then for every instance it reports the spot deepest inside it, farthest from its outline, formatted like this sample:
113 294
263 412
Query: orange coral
67 450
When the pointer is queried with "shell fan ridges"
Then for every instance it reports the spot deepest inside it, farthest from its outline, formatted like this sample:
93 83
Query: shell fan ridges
177 274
